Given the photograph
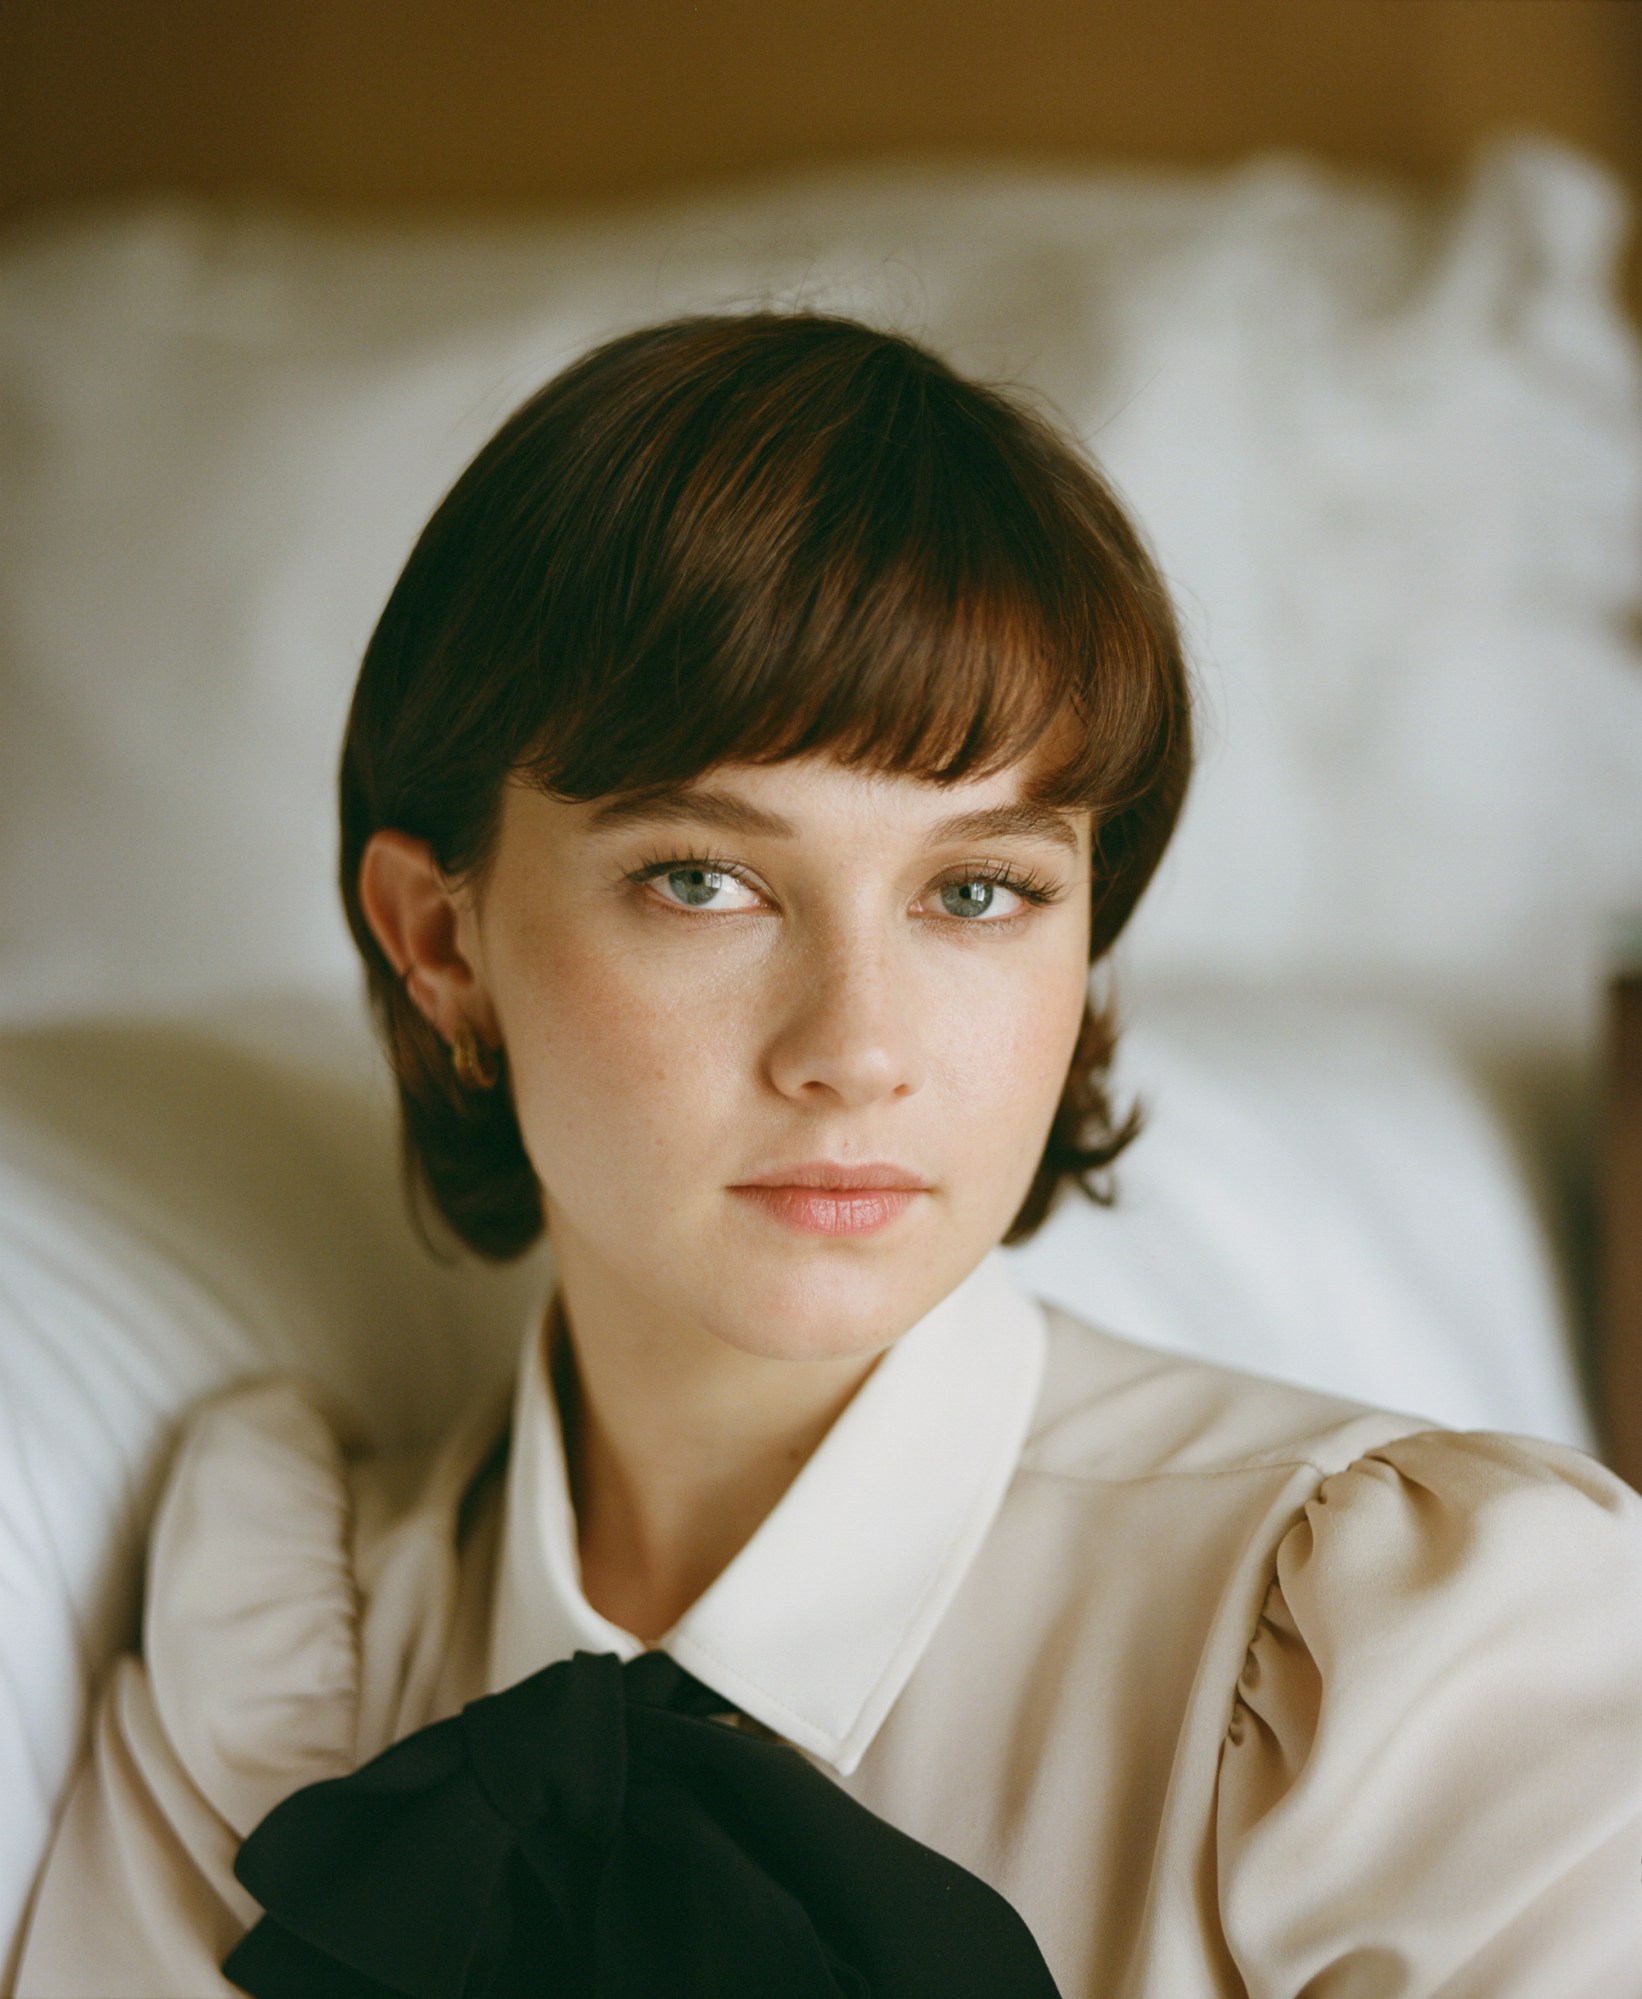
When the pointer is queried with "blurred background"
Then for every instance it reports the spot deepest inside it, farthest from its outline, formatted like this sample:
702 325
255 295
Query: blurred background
1343 295
412 106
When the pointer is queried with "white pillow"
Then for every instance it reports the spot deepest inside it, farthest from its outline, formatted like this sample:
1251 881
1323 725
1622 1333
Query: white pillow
1389 447
1328 1193
1320 1193
180 1206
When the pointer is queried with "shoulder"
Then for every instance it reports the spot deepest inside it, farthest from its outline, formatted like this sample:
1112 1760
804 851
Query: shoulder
1431 1750
1113 1410
1360 1501
1520 1558
269 1528
1370 1533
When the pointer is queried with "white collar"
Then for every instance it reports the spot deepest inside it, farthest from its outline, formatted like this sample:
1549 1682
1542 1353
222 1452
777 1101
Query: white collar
815 1626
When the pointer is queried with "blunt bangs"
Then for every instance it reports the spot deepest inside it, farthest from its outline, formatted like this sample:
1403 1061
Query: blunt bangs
846 561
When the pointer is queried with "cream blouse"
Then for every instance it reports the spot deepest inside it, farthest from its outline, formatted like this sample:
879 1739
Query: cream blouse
1229 1687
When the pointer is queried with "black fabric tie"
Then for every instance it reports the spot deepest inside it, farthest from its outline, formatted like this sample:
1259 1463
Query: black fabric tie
591 1834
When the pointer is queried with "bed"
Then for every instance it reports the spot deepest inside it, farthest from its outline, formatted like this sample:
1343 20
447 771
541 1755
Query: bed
1387 441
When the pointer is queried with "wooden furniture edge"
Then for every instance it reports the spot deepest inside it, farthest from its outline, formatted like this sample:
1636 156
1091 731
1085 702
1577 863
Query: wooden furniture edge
1620 1241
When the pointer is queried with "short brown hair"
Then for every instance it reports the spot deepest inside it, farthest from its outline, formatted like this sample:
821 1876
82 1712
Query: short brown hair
749 537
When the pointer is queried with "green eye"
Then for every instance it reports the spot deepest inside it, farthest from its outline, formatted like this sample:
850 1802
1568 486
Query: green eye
971 898
700 884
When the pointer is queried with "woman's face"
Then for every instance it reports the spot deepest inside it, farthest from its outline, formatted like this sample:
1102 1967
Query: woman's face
786 966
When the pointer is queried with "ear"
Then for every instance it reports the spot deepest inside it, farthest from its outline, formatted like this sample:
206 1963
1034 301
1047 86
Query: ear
425 927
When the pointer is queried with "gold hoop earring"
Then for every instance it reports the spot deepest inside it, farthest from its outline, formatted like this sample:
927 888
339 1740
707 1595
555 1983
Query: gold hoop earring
473 1070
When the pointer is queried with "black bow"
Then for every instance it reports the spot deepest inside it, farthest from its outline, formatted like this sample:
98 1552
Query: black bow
591 1834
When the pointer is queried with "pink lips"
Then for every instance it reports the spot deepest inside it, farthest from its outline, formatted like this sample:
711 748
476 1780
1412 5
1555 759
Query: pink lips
820 1198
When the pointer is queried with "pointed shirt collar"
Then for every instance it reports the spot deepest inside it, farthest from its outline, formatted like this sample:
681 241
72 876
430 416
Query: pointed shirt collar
816 1624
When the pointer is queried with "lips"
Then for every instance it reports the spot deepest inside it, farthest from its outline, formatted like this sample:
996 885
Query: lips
877 1174
821 1197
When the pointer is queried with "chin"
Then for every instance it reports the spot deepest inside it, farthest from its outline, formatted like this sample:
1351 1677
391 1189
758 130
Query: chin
819 1304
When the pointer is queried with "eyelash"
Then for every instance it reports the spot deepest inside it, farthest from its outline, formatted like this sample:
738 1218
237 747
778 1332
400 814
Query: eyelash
1031 888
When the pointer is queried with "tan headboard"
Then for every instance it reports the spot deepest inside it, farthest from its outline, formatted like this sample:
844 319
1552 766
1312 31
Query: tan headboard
418 103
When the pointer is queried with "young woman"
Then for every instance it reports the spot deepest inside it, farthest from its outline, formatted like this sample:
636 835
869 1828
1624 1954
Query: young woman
764 738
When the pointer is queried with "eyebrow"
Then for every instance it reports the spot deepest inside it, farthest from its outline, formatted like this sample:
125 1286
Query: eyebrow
702 806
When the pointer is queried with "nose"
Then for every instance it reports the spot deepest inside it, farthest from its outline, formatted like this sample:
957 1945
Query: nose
853 1033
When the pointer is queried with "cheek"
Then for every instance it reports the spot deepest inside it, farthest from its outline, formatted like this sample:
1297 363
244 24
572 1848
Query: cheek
1006 1043
616 1068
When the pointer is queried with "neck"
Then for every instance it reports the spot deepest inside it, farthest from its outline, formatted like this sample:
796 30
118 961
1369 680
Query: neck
677 1447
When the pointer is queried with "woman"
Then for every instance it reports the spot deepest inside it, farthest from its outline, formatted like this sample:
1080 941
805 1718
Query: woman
765 736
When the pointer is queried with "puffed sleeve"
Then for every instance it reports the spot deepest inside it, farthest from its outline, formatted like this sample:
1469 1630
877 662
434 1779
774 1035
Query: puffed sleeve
1432 1779
248 1687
